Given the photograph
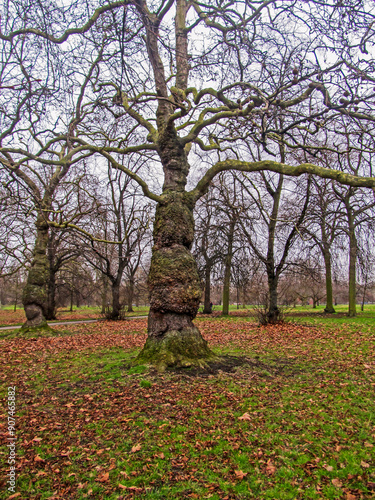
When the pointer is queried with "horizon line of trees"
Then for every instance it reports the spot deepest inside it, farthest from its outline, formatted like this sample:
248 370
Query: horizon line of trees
254 238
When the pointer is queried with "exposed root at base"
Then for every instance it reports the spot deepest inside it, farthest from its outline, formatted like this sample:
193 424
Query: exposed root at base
43 330
177 349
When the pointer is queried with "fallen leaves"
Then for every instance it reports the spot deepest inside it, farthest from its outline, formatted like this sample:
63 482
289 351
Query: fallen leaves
337 483
245 416
270 468
103 478
239 474
130 488
94 422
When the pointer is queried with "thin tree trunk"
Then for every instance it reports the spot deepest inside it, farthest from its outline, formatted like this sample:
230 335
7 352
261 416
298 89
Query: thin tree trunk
35 293
51 306
104 294
115 300
207 309
364 296
228 266
352 269
130 294
16 297
273 310
329 289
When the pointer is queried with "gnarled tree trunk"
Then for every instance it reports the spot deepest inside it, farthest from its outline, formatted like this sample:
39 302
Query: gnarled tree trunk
35 293
116 306
174 282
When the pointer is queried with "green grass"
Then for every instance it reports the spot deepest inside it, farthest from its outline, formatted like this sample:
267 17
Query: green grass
296 422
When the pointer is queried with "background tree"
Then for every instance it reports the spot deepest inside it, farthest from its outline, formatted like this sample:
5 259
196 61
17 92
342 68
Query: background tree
272 226
122 219
207 248
322 227
356 204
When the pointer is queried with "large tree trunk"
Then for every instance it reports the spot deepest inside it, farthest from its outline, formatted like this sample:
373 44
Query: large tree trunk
228 266
207 309
175 289
35 293
174 283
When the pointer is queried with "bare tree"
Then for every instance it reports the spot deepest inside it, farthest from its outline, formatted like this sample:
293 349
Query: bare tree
142 91
321 228
122 218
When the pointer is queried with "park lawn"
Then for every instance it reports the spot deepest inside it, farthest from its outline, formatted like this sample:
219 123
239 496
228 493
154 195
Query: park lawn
9 317
295 419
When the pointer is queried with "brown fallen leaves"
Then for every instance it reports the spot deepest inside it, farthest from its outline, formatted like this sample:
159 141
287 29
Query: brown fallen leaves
270 468
245 416
158 403
239 474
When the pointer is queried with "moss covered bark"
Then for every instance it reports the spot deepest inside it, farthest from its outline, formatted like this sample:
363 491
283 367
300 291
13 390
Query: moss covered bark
175 289
35 293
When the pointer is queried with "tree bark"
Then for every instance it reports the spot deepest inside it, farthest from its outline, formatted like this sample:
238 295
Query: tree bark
352 267
51 303
130 294
273 313
104 294
329 289
228 265
207 309
35 293
174 283
115 314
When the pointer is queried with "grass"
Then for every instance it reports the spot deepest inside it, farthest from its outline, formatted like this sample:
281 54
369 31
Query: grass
295 421
9 317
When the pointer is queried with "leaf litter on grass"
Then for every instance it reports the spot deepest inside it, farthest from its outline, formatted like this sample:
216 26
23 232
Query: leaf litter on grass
293 417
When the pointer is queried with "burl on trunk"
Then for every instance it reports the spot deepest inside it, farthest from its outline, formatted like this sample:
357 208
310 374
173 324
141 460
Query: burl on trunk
175 289
35 293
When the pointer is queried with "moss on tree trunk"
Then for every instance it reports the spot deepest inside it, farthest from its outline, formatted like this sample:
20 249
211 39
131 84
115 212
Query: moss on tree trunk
175 289
35 293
